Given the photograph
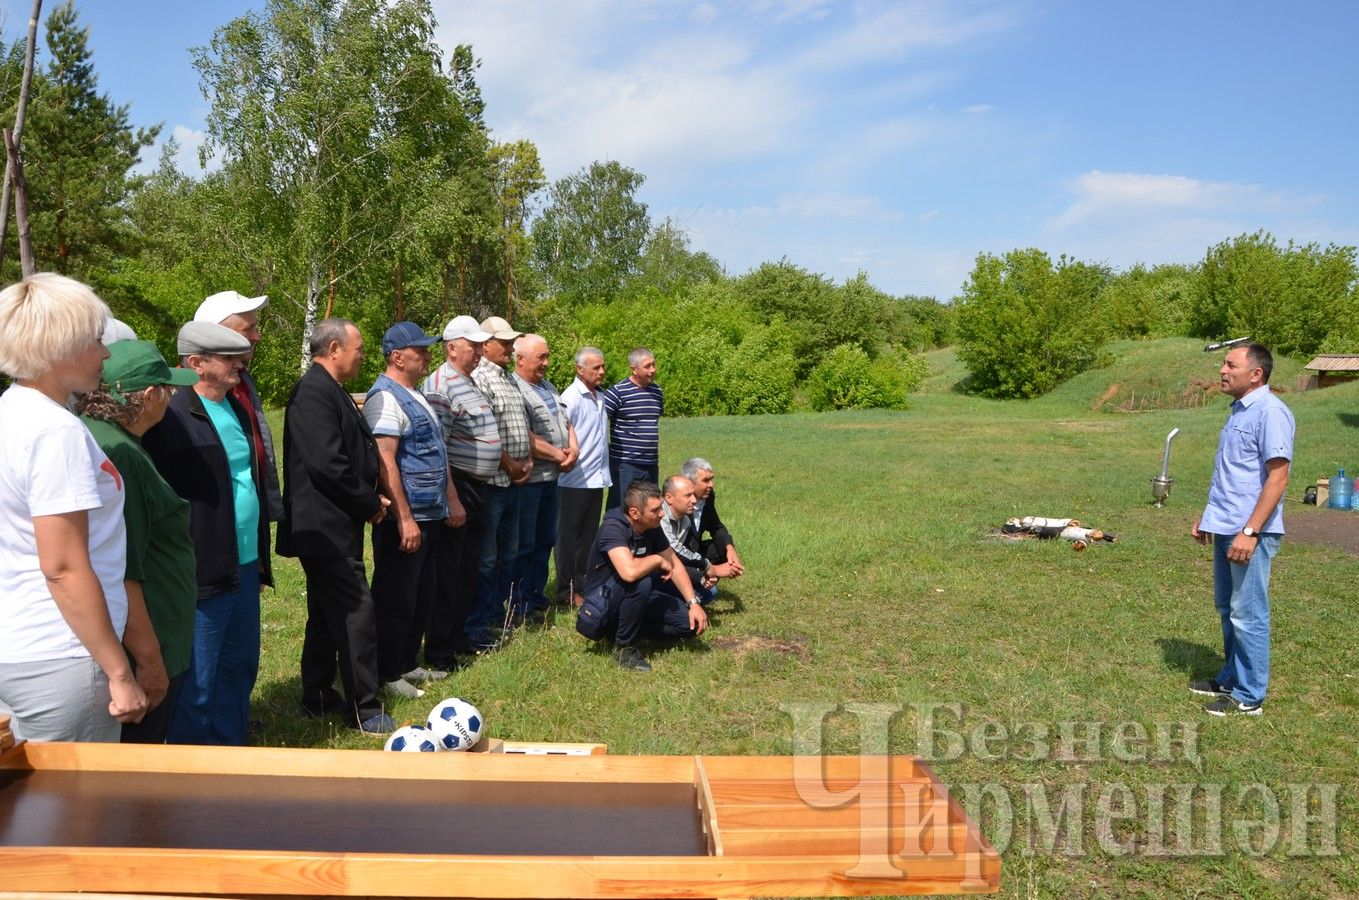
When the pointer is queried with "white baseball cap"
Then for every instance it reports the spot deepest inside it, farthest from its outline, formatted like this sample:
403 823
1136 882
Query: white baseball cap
226 303
465 327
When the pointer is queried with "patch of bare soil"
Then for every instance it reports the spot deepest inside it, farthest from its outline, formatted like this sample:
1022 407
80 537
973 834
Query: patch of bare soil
1105 397
755 643
1321 527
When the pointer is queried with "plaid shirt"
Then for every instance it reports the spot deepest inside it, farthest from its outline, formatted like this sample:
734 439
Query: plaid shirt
470 431
508 405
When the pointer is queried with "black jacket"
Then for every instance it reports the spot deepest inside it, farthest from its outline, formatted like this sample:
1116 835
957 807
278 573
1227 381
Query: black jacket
330 471
711 523
189 455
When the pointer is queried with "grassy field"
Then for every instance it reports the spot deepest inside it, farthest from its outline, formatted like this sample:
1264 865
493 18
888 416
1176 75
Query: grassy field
875 577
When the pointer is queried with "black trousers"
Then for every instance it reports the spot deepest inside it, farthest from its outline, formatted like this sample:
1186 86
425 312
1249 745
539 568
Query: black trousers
646 609
456 561
578 512
341 631
155 725
403 592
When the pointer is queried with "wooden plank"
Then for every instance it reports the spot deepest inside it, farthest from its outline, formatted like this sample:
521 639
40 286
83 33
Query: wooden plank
707 809
902 843
301 763
756 792
252 873
785 768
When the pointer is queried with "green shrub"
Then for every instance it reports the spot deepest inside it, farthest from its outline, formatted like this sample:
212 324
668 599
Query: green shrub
846 378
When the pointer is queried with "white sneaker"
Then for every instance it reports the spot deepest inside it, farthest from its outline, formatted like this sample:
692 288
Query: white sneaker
403 688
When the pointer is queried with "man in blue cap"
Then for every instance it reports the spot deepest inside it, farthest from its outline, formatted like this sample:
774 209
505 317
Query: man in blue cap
413 475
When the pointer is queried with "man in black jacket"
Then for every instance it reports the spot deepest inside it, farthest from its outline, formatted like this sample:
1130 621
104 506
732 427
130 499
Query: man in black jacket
719 549
330 476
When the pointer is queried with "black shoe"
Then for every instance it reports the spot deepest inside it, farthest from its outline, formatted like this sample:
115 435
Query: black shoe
631 658
1208 688
1226 706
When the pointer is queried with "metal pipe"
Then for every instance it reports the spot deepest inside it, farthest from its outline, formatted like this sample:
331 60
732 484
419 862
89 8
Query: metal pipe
1165 462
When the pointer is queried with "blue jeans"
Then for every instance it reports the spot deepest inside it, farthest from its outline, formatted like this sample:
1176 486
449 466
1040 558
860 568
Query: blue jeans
1241 595
499 549
625 473
214 701
537 536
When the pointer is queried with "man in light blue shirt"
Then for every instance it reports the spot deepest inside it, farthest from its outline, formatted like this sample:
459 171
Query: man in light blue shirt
1244 522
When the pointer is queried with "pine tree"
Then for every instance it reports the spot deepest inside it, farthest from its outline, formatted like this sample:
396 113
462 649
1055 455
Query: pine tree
79 150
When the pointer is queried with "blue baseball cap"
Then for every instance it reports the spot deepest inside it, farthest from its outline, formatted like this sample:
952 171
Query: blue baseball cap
406 334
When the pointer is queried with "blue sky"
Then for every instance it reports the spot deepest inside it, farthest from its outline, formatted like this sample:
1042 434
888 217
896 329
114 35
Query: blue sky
895 138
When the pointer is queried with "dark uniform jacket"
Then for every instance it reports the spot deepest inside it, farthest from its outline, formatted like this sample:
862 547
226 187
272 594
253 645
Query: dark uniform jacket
330 471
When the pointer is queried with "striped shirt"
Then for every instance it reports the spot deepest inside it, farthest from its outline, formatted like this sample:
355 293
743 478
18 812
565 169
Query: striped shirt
508 405
470 432
547 419
587 415
634 417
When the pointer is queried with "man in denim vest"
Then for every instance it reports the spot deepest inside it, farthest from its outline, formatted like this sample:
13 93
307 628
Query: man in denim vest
1243 520
413 475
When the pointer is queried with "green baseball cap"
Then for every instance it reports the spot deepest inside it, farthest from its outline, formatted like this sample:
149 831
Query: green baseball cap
136 365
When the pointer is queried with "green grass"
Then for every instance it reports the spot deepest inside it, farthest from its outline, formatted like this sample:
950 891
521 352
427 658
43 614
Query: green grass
867 538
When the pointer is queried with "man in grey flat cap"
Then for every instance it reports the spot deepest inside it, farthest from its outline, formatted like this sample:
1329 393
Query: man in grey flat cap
240 313
202 448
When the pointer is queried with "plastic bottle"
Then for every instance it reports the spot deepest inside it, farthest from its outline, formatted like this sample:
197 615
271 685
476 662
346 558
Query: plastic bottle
1342 488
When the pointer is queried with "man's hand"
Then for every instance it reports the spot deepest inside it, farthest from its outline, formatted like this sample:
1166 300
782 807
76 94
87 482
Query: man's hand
734 560
457 513
698 618
153 680
383 504
519 470
410 535
569 457
1202 537
1242 549
127 700
663 567
710 578
725 570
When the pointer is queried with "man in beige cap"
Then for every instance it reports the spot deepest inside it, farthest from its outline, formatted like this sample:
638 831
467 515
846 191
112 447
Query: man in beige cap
240 313
500 518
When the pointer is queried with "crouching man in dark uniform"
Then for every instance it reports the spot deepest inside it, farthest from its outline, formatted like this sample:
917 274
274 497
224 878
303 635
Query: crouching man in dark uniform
635 586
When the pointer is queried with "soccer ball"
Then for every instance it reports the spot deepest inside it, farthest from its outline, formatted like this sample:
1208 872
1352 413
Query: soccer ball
455 723
413 739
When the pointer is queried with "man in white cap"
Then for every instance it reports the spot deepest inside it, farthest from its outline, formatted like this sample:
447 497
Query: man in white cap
241 314
472 440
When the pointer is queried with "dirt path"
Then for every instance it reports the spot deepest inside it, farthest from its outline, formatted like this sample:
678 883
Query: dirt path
1323 527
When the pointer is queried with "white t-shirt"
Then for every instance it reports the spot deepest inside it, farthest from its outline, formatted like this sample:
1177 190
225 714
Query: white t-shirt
49 465
385 415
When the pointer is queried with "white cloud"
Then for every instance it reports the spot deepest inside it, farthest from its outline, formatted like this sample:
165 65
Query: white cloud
705 13
928 215
979 109
190 141
885 32
1111 194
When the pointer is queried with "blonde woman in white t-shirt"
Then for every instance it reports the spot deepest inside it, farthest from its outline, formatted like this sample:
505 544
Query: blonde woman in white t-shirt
63 672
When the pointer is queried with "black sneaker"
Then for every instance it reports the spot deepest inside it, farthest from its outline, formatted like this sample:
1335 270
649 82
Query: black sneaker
1208 688
1226 706
631 658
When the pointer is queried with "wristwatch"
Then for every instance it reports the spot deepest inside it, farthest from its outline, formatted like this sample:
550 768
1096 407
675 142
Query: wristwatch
1250 532
691 603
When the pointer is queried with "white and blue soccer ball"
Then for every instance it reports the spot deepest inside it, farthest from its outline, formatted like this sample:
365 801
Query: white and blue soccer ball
413 739
456 724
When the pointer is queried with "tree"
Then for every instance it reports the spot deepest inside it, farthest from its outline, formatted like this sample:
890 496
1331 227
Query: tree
1148 303
519 177
343 143
668 264
1288 298
79 151
1025 325
589 237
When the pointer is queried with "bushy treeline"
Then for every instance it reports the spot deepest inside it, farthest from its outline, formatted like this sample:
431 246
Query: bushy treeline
353 174
1026 323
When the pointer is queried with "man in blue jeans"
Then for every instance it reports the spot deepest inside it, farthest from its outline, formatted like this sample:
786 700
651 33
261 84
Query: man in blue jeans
1244 522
